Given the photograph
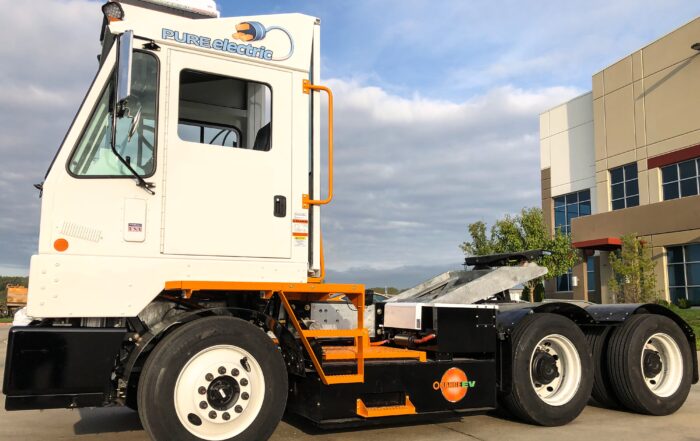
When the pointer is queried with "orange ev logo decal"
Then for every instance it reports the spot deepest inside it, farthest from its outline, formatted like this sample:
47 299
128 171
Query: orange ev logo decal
454 385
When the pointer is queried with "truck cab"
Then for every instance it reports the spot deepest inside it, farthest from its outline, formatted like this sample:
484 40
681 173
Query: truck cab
200 172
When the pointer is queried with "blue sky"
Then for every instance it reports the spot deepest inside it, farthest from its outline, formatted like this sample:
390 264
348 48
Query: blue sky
437 106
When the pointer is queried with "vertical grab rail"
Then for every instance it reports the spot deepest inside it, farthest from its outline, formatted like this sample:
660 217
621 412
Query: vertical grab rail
306 199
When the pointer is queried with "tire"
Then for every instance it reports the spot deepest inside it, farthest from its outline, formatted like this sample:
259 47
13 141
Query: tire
222 365
602 393
628 349
534 336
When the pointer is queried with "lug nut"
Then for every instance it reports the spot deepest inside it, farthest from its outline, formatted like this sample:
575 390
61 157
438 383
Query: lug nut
212 415
235 372
202 390
222 370
238 409
209 377
244 382
245 396
226 416
203 405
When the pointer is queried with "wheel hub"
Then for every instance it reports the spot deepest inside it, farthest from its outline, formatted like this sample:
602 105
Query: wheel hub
652 364
544 368
223 393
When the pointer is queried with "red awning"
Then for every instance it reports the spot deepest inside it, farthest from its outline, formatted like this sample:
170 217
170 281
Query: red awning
604 244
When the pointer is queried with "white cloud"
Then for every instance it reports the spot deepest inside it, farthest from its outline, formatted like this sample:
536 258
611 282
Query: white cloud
411 173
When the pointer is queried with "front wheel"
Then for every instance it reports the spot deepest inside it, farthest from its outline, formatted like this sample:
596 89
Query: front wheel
217 378
552 370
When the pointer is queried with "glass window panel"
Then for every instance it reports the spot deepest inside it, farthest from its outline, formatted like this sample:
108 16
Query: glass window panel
618 191
677 293
692 253
671 191
189 132
571 198
584 208
669 173
572 211
618 204
591 273
94 155
633 201
563 283
559 218
616 175
631 171
632 187
692 272
687 169
694 296
676 275
674 254
233 112
584 195
559 201
689 187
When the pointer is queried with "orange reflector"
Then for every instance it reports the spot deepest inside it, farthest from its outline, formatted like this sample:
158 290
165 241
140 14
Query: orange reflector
60 245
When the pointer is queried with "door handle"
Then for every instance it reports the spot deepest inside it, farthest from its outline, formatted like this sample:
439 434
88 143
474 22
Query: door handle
280 206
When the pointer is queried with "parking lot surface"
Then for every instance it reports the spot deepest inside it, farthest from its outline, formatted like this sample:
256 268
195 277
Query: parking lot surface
594 424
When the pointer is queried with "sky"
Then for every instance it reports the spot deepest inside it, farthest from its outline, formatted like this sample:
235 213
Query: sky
437 106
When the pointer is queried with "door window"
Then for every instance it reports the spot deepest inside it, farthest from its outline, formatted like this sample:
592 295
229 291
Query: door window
224 111
93 156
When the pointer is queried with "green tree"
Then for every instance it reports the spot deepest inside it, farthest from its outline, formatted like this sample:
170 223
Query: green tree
633 279
522 232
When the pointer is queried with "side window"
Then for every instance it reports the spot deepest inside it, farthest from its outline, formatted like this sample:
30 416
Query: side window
93 156
224 111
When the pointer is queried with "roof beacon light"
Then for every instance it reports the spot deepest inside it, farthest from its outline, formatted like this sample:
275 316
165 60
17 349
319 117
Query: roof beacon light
113 11
202 7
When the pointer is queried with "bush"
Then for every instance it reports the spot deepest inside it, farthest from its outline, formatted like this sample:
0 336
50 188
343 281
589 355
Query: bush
683 303
663 302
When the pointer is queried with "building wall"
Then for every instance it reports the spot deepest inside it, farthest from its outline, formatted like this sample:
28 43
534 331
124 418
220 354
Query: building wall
645 105
642 107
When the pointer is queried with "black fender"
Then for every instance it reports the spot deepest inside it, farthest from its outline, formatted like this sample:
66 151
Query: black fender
291 351
583 314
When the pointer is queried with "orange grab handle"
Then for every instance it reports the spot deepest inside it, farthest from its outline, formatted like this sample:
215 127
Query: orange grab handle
308 87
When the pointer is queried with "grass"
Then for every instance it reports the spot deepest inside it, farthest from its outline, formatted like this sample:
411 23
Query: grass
692 316
5 319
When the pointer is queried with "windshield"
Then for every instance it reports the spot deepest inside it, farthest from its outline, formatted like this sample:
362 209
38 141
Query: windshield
93 156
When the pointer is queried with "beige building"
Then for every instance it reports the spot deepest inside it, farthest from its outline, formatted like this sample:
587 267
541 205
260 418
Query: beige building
625 158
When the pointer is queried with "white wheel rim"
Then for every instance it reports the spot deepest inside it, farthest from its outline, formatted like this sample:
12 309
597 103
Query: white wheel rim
667 380
215 366
561 389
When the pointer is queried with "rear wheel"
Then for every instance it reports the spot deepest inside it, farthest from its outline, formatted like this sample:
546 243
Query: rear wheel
602 394
217 378
649 365
552 370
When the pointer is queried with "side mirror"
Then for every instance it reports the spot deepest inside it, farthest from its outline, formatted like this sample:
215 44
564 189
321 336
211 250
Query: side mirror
126 50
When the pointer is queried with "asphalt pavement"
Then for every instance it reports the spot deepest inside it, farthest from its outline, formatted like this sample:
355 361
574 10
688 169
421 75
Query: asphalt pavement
107 424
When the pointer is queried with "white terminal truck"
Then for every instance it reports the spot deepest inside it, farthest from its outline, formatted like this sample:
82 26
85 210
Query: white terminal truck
180 266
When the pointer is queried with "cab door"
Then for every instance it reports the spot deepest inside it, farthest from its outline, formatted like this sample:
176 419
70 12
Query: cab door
228 158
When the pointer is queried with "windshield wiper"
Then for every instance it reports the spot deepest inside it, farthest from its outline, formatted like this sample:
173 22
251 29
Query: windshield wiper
147 186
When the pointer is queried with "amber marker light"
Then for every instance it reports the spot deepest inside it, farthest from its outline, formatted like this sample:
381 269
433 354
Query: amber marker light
60 245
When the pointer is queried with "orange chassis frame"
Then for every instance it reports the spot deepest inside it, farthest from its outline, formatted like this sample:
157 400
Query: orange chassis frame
315 292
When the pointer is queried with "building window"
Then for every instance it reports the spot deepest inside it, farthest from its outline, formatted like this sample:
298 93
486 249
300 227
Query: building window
571 206
624 186
684 272
564 281
681 179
